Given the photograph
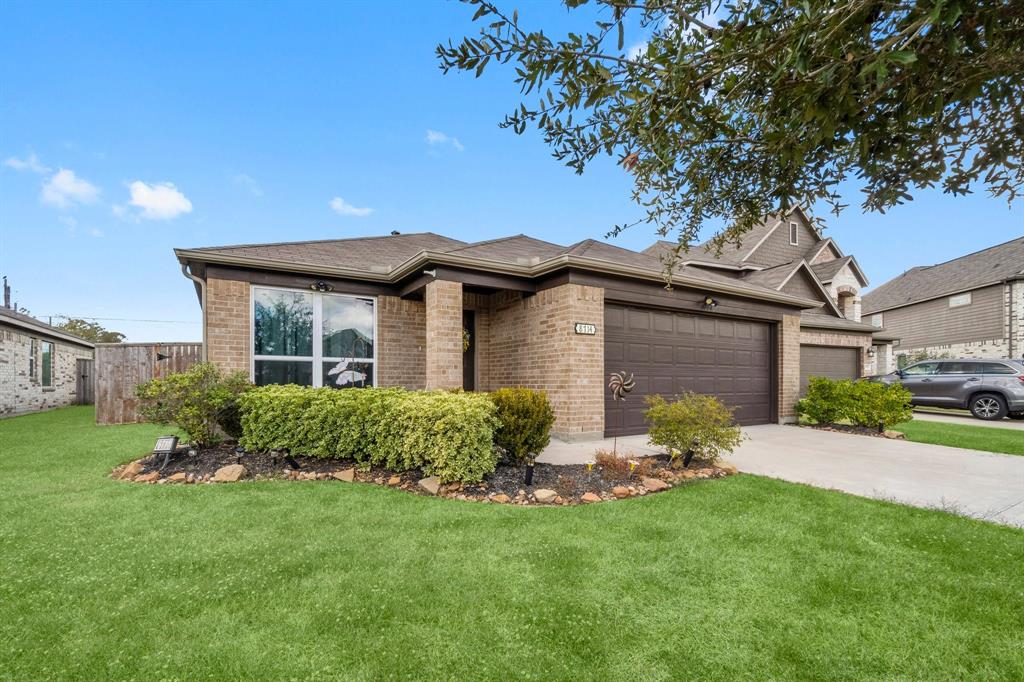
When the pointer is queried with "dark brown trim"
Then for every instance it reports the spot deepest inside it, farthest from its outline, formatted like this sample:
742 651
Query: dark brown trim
484 280
284 279
773 354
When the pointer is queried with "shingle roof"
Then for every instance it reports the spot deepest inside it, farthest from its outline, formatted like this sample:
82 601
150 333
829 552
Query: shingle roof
982 268
732 254
22 321
816 320
773 278
519 249
370 253
827 270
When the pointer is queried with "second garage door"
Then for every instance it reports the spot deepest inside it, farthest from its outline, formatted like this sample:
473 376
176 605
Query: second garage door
670 352
828 361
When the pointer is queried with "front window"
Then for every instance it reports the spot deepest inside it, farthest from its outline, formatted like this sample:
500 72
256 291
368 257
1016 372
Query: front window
922 368
794 234
47 364
312 338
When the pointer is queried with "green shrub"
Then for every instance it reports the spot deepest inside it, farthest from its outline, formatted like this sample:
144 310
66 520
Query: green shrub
863 403
692 421
827 400
449 435
524 422
197 401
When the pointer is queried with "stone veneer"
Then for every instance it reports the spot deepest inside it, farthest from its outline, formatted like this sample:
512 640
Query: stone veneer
989 348
443 334
789 366
21 393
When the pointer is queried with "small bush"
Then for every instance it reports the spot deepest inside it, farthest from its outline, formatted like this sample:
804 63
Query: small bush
863 403
693 421
446 434
615 467
196 401
524 422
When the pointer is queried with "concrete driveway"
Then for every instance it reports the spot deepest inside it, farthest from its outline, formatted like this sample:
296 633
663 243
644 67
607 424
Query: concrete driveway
967 482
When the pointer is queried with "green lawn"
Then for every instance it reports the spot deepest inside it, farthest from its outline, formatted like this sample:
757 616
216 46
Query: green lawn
987 438
744 578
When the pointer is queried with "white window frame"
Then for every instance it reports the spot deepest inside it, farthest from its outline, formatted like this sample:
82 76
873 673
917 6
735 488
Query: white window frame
958 300
876 320
317 359
794 234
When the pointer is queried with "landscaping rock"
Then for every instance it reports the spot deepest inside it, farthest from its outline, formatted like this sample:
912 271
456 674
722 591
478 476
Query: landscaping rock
620 491
544 496
655 485
347 475
590 498
229 474
130 471
179 477
394 480
431 484
501 498
729 469
895 435
148 478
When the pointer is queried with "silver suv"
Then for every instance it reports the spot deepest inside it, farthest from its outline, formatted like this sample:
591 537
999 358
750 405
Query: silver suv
990 389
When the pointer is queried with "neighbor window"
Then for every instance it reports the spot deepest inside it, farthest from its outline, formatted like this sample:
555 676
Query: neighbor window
959 300
33 359
312 339
47 362
876 320
794 237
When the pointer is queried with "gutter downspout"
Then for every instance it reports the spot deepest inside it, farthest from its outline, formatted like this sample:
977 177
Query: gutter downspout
202 300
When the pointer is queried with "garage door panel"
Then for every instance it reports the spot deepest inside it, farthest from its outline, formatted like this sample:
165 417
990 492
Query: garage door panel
671 353
833 362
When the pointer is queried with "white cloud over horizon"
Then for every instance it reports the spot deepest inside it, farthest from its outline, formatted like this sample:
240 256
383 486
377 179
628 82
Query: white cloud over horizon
30 163
157 201
64 189
436 137
342 207
249 183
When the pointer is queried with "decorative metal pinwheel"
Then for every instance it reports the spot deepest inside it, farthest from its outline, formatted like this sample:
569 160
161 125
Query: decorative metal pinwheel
619 384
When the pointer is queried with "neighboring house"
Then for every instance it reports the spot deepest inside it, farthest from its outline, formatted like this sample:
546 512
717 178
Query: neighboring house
972 306
534 314
40 365
788 254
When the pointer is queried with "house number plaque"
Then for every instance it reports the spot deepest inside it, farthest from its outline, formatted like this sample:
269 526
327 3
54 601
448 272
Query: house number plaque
586 328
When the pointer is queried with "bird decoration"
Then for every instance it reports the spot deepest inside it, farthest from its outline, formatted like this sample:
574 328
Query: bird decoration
345 376
619 384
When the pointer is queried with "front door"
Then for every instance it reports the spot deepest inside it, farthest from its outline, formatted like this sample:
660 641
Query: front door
468 350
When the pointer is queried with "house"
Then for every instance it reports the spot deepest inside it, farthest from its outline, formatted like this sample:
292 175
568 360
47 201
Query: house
426 311
972 306
41 367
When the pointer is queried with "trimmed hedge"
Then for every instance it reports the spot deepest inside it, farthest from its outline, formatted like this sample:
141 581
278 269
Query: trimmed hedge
448 435
864 403
524 422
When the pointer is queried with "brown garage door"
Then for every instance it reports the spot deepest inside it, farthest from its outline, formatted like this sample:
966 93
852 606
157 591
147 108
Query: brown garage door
669 353
828 361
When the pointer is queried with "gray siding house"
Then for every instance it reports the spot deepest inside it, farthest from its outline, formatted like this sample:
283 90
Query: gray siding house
972 306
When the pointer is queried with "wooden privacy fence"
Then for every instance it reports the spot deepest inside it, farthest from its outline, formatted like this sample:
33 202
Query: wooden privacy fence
120 367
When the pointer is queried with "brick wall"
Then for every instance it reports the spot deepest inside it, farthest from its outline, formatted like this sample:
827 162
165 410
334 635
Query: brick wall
228 311
21 393
443 334
532 343
401 342
789 366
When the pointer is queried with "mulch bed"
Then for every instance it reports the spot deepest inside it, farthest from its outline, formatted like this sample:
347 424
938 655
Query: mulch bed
552 483
858 430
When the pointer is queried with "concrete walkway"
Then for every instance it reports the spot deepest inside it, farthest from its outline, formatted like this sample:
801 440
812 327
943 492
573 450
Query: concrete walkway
953 418
977 484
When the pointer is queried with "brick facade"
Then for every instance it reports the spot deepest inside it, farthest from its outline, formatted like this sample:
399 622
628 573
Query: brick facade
21 393
443 334
789 366
228 325
401 343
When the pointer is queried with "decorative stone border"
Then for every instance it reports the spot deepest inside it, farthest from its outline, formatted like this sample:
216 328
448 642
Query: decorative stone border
663 479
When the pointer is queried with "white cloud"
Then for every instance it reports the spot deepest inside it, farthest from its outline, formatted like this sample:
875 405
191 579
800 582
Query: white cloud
636 51
435 137
93 232
29 163
342 207
159 201
65 188
246 181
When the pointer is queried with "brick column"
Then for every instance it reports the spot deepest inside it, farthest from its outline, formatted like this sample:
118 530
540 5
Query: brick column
228 320
444 334
789 367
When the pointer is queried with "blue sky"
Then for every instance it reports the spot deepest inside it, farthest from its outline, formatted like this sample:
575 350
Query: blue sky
129 129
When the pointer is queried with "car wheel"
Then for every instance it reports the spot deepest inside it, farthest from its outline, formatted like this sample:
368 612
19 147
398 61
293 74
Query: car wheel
1016 415
988 406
